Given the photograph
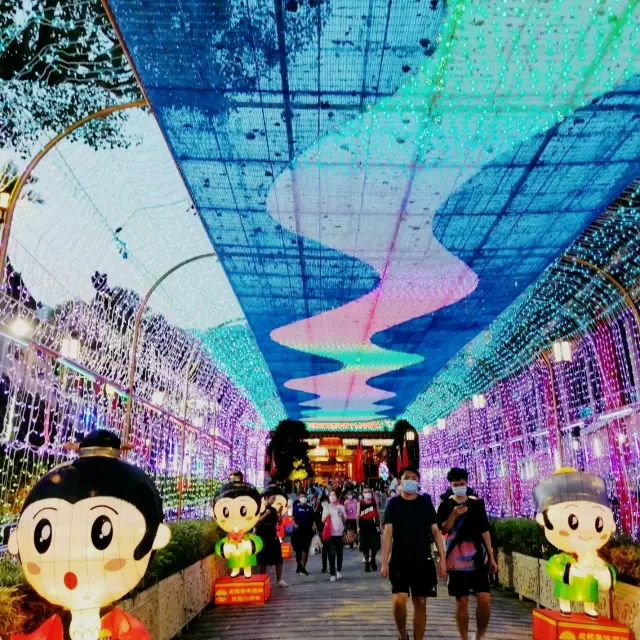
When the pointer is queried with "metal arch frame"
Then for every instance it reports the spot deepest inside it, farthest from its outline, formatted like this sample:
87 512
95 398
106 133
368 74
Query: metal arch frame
607 276
136 337
35 161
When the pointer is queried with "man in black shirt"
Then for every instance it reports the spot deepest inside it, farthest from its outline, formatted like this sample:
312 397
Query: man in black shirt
410 522
463 518
303 524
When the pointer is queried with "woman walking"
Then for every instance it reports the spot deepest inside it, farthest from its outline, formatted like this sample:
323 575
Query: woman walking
369 530
323 501
334 513
266 529
351 509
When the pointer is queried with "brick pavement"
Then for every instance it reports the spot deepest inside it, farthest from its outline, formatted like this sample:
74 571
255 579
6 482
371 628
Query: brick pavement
355 608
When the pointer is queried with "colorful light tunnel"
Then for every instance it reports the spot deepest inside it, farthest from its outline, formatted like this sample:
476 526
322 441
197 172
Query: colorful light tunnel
416 210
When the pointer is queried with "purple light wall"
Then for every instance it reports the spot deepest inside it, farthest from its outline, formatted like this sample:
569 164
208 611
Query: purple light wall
512 443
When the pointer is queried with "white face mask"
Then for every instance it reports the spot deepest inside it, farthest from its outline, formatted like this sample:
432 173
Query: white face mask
459 491
303 500
368 497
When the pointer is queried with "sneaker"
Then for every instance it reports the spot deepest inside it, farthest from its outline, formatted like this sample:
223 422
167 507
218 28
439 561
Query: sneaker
298 570
332 579
303 572
324 569
374 566
339 575
367 568
282 583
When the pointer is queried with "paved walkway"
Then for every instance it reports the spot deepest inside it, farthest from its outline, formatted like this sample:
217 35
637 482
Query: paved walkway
355 608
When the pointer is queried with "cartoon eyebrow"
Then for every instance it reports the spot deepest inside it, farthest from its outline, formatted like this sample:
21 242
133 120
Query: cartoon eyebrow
44 509
104 506
566 506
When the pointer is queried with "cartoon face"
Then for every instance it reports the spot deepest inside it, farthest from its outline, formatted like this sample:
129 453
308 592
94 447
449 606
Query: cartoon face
578 526
81 555
236 514
280 503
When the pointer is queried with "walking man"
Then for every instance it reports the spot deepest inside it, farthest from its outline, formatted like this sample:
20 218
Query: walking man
410 525
303 517
463 519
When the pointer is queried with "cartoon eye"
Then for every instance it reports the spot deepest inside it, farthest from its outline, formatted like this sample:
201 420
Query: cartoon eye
42 536
225 512
573 522
243 511
101 533
599 524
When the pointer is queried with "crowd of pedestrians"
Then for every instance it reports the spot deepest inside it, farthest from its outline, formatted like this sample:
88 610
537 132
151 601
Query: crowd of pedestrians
402 521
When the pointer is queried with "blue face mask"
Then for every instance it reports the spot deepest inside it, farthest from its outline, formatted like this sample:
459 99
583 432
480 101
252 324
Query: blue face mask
410 486
459 491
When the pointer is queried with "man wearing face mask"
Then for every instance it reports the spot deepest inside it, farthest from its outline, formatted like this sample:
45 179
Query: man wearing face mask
303 517
463 518
410 523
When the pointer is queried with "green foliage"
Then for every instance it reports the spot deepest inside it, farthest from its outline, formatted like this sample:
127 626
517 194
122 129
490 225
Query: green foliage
10 572
521 535
191 540
624 555
12 618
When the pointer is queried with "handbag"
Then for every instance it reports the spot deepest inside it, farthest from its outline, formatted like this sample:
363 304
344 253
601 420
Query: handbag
326 530
316 545
350 537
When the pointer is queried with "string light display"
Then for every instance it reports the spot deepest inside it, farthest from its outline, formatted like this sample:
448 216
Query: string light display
400 180
590 401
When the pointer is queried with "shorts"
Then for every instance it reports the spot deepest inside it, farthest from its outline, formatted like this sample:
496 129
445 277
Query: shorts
418 582
466 583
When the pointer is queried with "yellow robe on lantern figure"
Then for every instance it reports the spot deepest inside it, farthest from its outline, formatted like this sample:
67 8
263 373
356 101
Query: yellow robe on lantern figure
237 510
574 510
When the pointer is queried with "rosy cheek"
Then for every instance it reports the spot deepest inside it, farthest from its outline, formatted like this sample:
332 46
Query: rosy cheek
33 568
115 565
604 536
562 532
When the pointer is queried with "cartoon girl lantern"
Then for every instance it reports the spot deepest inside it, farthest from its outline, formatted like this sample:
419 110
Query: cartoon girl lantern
85 537
574 510
237 509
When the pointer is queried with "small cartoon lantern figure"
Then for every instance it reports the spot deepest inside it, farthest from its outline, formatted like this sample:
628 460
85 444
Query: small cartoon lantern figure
85 537
237 509
574 510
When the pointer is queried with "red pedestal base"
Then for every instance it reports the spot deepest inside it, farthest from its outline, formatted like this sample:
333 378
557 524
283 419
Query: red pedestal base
552 625
286 550
241 590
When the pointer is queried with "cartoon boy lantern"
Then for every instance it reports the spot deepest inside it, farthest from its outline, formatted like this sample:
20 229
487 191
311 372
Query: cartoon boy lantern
574 510
85 537
237 509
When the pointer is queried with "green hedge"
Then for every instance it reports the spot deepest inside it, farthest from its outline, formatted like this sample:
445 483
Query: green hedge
526 536
22 610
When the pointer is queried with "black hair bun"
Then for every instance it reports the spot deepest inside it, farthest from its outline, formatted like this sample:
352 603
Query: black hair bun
101 438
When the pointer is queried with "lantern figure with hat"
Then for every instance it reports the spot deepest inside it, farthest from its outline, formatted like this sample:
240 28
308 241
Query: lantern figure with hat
574 510
85 538
237 510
